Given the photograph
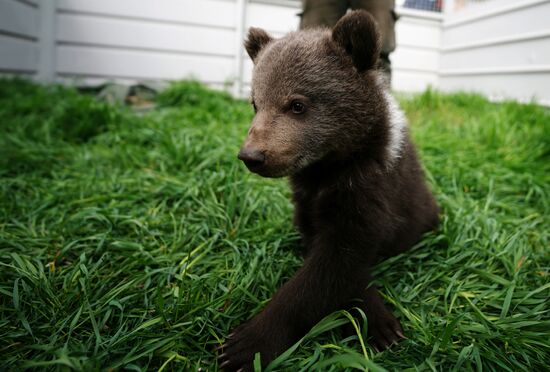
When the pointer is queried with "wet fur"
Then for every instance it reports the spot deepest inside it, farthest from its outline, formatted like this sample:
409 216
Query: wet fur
358 187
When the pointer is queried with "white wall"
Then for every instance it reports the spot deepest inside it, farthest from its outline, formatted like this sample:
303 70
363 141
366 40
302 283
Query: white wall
144 39
19 26
130 40
499 48
415 62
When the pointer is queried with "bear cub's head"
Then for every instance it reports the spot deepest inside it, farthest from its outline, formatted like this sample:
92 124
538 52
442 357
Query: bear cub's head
316 95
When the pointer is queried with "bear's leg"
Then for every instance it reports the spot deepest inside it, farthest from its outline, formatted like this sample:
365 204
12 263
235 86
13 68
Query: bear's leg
326 282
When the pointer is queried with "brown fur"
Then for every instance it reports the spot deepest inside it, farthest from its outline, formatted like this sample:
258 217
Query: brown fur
355 200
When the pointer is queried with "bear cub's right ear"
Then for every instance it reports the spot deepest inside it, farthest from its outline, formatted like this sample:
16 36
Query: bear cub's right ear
357 34
257 39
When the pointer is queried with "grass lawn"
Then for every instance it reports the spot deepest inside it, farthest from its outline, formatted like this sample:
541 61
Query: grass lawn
138 241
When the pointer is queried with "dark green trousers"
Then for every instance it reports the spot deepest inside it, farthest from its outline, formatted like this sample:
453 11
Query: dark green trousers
327 12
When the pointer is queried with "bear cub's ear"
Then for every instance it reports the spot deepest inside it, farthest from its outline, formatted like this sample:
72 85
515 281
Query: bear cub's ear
257 39
357 34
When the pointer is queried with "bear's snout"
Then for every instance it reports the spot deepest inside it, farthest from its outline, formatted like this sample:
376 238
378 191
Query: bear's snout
252 158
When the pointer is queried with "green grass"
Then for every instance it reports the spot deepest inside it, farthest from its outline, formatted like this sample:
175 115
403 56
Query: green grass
138 242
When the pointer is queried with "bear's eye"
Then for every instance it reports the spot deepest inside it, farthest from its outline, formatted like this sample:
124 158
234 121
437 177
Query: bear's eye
297 107
254 107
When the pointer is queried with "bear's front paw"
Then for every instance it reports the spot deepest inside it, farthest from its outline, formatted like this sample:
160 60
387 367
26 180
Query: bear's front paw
240 347
384 330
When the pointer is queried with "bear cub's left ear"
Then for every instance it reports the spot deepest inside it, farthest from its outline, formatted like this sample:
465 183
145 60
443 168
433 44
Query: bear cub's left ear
257 39
357 34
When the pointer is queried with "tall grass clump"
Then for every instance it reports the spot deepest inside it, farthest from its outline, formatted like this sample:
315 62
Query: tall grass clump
139 241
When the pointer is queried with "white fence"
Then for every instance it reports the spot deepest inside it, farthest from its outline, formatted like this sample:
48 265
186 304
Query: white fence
19 30
128 40
415 62
142 39
501 47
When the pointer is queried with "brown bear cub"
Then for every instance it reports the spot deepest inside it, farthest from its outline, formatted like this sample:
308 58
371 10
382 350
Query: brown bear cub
324 118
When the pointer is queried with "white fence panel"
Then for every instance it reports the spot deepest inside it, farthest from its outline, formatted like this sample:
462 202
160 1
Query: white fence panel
523 86
492 20
18 18
521 52
415 62
84 29
17 55
90 61
415 59
18 37
413 81
418 29
146 40
500 49
214 13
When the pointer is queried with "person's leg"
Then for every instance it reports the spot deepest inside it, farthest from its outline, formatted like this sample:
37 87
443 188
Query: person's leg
384 14
322 13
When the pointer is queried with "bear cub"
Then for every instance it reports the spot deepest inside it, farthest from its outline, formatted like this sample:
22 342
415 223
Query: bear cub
324 117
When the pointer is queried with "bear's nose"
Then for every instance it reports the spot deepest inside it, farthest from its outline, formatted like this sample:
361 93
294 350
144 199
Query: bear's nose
251 157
